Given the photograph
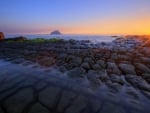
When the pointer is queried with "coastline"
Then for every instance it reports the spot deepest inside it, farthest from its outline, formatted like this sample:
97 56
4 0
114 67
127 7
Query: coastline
120 67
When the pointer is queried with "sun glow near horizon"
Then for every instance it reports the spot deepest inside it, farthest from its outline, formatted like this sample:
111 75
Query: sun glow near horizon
108 17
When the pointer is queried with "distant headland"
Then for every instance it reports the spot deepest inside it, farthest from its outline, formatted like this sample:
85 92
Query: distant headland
55 32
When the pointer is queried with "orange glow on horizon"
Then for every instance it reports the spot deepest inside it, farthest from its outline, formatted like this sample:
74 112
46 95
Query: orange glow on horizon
106 27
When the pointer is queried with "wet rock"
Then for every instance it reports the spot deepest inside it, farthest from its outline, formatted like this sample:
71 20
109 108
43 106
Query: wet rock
85 65
96 67
49 95
101 63
146 93
93 76
17 102
112 68
40 85
38 108
62 56
103 76
66 99
116 79
71 66
77 60
78 105
46 61
115 86
109 107
138 82
127 68
142 67
145 60
114 56
70 57
1 111
147 51
89 60
76 72
62 68
146 76
132 92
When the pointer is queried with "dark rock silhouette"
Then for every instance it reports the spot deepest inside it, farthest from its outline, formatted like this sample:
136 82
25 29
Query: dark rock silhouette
56 32
19 38
2 36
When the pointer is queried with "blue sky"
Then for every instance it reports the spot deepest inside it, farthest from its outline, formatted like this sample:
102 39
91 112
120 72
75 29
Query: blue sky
74 16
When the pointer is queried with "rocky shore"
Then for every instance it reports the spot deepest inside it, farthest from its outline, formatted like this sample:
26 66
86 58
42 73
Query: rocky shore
123 62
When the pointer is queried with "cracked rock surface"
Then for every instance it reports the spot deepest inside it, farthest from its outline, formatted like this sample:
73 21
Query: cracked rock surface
82 78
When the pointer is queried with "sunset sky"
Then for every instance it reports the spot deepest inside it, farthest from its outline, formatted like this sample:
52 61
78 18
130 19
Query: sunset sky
75 16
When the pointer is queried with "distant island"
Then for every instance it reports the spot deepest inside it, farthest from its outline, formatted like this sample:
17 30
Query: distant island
56 32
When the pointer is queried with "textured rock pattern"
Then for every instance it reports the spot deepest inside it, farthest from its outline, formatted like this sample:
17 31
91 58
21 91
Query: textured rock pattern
75 77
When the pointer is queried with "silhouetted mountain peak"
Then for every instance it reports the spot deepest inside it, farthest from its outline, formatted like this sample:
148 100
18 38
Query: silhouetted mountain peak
55 32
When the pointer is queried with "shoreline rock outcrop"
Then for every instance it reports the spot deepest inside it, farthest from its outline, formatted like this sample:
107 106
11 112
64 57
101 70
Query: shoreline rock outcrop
2 36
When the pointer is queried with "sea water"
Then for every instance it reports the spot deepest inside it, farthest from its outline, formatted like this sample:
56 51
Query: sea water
93 38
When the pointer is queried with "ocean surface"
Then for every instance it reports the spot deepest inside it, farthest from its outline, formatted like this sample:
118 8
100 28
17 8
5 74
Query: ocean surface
93 38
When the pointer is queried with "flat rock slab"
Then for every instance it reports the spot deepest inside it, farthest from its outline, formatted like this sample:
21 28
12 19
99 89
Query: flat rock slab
29 90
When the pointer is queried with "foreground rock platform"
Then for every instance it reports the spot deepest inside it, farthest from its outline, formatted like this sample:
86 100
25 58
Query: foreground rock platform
75 77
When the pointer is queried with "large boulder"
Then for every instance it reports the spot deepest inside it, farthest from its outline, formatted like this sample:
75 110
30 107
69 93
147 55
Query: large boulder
127 68
1 36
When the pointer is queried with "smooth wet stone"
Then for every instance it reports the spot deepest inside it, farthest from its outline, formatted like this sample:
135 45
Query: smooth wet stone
40 85
47 61
49 95
38 108
127 68
93 76
101 63
66 100
114 56
28 82
132 92
103 76
96 67
145 59
27 63
1 111
146 93
12 82
76 60
70 57
112 108
77 106
62 56
112 68
137 81
116 79
85 65
142 67
18 61
89 60
18 101
135 104
76 72
114 86
146 76
62 68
